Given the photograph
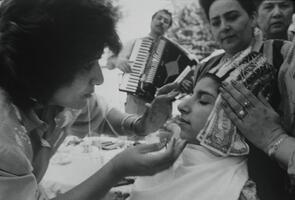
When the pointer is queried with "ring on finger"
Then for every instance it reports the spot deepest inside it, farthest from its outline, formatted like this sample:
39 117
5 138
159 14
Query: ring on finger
242 113
246 104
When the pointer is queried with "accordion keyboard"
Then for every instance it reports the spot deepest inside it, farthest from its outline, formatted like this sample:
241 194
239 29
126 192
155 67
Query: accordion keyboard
138 60
155 62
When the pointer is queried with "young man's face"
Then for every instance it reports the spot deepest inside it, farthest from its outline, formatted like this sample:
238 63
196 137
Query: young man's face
274 18
160 23
195 109
75 95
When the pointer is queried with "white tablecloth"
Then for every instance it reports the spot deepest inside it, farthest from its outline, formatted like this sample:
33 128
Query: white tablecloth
72 164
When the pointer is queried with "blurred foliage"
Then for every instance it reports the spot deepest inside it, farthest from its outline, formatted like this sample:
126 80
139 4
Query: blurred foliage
191 30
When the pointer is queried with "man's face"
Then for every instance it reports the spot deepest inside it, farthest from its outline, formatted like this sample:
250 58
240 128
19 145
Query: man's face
160 23
274 18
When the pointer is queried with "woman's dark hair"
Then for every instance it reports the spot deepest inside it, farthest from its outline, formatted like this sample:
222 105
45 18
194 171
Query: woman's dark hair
248 5
45 43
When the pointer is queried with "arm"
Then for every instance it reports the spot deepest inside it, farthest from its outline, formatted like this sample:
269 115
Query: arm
285 153
94 187
154 117
135 161
121 61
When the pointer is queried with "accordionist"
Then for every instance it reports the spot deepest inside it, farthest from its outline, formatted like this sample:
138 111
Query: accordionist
161 21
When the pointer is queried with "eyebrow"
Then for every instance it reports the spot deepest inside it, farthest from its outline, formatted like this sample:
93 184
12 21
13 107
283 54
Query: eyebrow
226 14
204 92
274 2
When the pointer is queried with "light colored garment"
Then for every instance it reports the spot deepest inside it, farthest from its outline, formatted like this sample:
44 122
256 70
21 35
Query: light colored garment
17 180
16 177
197 174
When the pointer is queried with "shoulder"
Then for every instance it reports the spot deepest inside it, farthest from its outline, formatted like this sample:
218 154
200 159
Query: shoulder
215 54
12 159
207 64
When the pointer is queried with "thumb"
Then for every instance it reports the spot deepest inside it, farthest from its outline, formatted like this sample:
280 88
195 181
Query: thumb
176 146
167 88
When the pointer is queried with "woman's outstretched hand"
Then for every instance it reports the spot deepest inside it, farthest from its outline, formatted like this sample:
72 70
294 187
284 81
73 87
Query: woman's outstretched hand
253 116
147 159
159 111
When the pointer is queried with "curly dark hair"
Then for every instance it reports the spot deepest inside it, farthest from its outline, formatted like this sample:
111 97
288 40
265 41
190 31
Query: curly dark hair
248 5
44 43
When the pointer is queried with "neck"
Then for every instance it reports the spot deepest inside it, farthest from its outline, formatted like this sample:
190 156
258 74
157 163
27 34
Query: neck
154 35
279 36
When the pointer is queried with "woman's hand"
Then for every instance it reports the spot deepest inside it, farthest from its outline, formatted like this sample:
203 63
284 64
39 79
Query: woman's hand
123 64
170 130
145 159
253 116
159 111
187 86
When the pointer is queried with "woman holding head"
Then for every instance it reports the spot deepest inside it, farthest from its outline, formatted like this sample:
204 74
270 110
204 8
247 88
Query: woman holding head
49 67
201 172
233 23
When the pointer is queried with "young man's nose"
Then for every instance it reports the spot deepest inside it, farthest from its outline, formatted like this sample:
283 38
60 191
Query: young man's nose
184 105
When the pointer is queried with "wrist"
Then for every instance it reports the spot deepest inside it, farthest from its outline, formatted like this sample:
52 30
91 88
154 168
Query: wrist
275 145
116 168
138 126
127 124
270 140
285 151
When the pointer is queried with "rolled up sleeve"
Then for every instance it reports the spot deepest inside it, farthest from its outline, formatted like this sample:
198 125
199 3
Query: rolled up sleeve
17 182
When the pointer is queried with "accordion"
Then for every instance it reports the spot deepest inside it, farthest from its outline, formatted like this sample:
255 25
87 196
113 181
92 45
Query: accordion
154 64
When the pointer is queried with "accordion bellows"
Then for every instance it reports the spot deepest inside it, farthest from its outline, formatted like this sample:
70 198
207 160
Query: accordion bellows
219 134
154 64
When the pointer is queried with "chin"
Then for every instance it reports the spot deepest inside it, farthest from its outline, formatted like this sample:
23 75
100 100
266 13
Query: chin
186 136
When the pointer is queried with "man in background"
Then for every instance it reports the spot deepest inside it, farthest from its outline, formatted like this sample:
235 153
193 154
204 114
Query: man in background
161 22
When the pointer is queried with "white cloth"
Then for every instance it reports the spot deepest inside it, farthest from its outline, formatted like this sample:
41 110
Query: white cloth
197 174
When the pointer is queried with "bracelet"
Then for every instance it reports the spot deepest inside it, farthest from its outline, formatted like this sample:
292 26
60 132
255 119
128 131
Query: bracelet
127 123
275 146
45 143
